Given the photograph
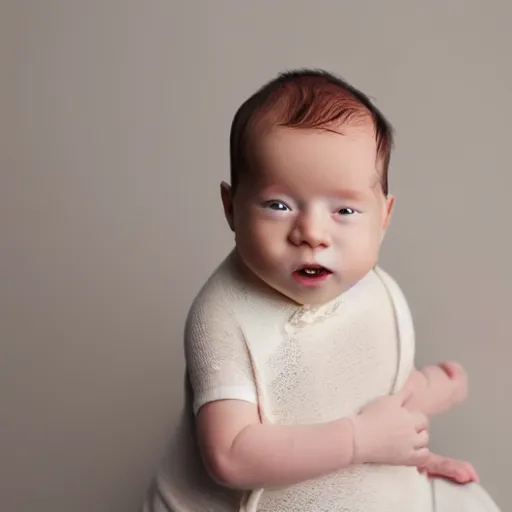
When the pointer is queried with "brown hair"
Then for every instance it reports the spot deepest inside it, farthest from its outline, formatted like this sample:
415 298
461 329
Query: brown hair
307 99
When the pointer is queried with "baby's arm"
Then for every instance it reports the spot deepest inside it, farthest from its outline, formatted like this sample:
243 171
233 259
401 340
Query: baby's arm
241 452
436 389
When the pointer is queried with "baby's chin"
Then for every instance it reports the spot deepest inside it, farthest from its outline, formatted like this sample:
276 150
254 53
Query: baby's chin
315 298
304 296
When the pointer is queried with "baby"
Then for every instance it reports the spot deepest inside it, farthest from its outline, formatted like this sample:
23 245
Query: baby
301 389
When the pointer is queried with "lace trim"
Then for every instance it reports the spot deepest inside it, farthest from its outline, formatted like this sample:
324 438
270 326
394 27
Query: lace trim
307 314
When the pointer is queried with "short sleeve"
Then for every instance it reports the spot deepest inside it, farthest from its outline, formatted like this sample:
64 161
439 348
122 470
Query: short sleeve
217 358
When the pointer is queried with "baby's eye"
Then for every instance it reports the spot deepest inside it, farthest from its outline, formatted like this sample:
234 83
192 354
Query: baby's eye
346 211
277 205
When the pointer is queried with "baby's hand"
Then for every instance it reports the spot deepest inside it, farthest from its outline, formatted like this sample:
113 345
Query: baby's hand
385 432
458 471
459 378
448 383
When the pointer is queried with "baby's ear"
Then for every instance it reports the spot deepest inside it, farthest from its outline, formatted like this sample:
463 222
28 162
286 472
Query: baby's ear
388 211
227 203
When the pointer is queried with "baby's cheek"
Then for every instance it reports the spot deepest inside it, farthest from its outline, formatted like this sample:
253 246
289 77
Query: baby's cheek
269 238
364 252
262 249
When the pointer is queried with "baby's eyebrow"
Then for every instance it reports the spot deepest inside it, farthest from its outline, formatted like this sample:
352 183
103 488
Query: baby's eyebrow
273 188
349 193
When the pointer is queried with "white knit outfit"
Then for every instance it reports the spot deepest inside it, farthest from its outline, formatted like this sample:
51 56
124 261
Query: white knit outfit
300 365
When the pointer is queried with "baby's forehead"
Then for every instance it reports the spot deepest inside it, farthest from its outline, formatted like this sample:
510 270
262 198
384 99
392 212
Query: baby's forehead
339 155
341 145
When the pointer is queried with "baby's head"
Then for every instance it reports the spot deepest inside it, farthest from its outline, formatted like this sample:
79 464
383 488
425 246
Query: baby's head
309 201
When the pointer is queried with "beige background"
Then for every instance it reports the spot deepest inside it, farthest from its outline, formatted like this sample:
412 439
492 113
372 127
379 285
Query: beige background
114 119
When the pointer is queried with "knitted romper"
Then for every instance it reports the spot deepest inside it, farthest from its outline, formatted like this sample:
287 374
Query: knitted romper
299 364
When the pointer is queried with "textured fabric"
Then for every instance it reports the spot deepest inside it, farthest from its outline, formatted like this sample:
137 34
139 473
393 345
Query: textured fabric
300 365
218 361
452 497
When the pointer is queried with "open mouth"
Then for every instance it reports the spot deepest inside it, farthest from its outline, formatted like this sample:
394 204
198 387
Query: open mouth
311 274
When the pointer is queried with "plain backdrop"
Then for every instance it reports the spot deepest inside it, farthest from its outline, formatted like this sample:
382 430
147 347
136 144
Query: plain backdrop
114 121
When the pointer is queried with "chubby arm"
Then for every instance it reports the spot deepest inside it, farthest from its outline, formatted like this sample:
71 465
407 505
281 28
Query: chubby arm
241 452
436 389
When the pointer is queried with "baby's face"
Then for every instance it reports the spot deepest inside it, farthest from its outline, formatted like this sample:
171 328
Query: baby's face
310 221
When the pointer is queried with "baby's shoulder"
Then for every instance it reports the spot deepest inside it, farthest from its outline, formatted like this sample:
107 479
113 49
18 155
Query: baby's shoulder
390 283
222 286
377 283
217 295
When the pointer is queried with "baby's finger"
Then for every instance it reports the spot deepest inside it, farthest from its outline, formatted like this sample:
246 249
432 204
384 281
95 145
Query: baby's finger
473 474
420 421
422 439
462 476
451 368
403 395
421 457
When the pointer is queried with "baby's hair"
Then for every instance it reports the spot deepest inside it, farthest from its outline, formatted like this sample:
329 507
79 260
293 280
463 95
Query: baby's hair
308 99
